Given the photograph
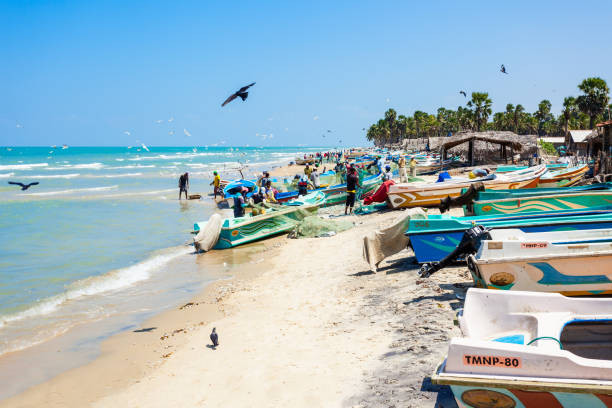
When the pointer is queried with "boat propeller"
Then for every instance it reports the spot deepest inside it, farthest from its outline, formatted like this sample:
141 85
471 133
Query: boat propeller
469 244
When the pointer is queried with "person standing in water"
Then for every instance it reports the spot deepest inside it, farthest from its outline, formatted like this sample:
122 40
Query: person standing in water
183 185
217 185
352 182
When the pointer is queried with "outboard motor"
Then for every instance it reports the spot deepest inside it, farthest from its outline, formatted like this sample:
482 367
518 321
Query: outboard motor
469 245
466 198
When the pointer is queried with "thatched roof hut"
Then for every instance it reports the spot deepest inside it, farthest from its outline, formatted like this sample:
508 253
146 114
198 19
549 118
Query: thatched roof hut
486 147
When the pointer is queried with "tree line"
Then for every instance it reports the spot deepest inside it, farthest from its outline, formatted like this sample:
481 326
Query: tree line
581 112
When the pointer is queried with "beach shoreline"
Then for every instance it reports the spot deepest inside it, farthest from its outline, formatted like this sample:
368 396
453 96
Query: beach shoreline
293 327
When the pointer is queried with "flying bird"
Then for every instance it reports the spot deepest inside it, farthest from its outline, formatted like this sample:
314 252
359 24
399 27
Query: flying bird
503 69
159 121
463 93
328 131
214 337
171 132
127 133
170 120
23 186
242 93
186 132
18 126
145 147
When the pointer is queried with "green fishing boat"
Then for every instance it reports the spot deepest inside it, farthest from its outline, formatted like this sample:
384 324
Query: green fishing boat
542 203
530 192
275 219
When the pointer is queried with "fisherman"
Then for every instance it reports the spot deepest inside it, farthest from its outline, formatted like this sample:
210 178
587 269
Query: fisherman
217 184
183 185
264 180
352 182
413 164
303 186
401 163
387 175
239 200
307 170
270 192
314 177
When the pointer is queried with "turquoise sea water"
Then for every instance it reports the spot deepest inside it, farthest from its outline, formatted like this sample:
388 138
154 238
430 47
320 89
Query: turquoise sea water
102 221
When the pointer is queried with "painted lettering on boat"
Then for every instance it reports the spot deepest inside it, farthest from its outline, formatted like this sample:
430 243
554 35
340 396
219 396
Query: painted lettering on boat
534 245
492 361
421 224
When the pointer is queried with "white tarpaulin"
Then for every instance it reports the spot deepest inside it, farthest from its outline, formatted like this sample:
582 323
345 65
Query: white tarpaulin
208 235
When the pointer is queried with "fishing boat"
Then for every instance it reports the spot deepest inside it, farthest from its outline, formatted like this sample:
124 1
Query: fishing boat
578 200
507 168
434 236
302 162
429 194
532 350
274 220
563 177
336 194
234 187
530 192
573 264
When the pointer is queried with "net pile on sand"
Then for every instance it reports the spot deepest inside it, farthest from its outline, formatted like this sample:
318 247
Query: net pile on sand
313 227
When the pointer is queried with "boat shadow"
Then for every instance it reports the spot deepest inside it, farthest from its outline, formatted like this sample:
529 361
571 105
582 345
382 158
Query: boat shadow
444 398
401 265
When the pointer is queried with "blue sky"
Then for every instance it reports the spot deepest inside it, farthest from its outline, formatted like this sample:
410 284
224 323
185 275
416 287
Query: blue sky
83 73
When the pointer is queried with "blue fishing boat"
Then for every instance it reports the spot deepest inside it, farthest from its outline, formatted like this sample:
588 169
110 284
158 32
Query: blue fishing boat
234 187
434 237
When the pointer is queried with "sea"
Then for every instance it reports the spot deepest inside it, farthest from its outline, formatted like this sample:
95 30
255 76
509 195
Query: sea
102 232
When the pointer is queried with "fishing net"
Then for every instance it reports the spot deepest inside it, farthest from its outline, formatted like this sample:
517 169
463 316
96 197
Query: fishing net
313 226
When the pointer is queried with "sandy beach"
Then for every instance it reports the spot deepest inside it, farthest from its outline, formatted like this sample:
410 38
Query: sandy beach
301 322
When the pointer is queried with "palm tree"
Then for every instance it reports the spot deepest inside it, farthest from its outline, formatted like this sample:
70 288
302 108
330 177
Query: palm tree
481 108
391 120
569 110
595 98
543 115
517 117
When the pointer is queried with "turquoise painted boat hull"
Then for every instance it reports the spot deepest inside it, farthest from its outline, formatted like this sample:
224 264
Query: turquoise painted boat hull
527 192
436 236
542 203
277 220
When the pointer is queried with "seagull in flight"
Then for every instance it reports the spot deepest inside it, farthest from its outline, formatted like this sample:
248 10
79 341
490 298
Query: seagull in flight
127 133
186 132
242 93
503 69
23 186
463 93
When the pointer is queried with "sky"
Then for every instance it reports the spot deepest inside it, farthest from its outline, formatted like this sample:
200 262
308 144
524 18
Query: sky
104 73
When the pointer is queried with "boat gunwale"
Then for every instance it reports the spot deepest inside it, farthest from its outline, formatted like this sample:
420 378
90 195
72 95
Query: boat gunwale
545 196
439 377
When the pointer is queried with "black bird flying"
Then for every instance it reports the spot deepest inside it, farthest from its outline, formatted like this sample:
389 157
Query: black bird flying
23 186
503 69
463 93
242 93
214 337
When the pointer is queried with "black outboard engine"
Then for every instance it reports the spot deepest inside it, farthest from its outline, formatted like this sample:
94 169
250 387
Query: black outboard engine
466 198
469 245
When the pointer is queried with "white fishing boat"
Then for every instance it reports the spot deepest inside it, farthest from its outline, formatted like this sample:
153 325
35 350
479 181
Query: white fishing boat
576 263
531 350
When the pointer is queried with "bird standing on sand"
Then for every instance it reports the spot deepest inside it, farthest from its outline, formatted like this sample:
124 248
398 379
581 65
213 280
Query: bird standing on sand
23 186
214 337
242 93
503 69
463 93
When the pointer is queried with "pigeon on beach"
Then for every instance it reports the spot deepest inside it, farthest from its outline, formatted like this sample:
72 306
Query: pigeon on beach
242 93
463 93
214 337
23 186
503 69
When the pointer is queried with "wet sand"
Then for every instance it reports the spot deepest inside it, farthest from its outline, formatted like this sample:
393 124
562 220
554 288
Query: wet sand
301 323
